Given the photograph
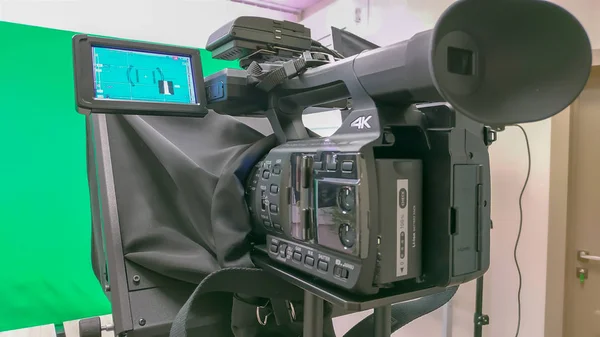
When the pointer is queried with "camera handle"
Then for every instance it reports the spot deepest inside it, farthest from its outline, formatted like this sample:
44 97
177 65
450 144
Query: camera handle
286 120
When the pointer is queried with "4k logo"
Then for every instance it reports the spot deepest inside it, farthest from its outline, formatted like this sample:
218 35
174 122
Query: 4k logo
362 123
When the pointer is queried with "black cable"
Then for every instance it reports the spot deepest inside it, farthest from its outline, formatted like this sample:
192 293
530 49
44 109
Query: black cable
331 51
521 228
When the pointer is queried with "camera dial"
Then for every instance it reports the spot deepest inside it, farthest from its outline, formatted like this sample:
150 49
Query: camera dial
347 235
346 199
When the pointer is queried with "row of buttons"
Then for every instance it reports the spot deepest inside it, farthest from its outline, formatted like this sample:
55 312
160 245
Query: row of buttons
347 166
267 224
276 170
309 260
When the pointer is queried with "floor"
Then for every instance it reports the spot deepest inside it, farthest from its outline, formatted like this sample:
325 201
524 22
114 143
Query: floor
71 330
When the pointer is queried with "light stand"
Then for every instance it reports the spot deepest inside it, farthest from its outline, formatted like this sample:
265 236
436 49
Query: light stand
480 319
313 315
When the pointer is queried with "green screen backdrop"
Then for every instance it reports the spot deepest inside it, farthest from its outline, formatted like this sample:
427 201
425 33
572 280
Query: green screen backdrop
45 236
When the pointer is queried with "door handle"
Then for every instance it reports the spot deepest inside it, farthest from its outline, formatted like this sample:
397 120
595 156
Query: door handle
585 256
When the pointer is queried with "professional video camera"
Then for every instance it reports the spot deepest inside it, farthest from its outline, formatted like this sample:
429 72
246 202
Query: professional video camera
399 195
395 205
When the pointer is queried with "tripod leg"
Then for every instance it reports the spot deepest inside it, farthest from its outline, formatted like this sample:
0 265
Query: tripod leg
313 315
383 321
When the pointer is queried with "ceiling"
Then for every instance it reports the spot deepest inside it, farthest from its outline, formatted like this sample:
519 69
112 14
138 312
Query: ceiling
289 6
299 4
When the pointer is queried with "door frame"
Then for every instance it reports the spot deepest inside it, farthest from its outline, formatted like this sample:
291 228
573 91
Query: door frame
557 215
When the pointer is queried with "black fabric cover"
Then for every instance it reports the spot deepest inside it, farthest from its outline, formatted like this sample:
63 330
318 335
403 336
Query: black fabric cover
179 185
179 216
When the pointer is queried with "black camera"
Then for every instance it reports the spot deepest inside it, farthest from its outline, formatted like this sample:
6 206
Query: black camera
399 196
393 206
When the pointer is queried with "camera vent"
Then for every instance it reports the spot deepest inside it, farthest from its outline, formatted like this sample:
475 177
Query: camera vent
233 54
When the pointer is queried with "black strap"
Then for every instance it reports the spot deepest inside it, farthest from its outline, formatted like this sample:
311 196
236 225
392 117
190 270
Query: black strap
249 281
404 313
269 80
258 283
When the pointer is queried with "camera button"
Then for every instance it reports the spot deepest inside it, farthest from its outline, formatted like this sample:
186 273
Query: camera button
332 165
347 166
266 174
309 261
297 256
277 169
323 265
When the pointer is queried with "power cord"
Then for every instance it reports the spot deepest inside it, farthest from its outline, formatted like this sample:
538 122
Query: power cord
521 228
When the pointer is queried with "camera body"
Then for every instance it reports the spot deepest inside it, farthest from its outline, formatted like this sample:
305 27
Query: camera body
348 209
397 200
395 203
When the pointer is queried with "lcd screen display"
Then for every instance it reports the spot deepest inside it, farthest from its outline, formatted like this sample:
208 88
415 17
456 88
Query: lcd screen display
128 75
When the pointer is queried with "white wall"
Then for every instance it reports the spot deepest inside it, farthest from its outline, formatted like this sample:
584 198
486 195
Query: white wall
388 21
383 21
588 12
179 22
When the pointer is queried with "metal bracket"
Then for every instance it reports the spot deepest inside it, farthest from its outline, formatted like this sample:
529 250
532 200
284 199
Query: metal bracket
490 135
482 320
263 317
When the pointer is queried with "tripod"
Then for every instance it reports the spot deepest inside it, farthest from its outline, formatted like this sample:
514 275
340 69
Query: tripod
315 296
313 322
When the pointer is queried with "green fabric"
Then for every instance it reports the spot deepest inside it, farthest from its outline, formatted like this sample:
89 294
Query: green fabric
45 267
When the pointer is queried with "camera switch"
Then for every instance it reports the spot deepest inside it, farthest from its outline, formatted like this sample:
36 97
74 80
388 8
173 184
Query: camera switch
282 250
264 204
